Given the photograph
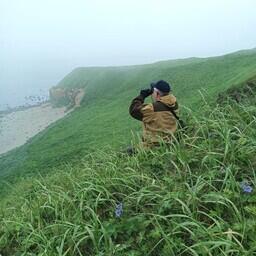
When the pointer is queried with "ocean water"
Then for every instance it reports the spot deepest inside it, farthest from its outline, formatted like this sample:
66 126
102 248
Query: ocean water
22 82
15 97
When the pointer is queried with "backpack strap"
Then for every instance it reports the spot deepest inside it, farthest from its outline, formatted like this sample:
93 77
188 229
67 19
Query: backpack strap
173 112
160 106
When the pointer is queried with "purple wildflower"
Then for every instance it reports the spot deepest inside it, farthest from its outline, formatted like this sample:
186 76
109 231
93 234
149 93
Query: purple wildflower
245 187
119 210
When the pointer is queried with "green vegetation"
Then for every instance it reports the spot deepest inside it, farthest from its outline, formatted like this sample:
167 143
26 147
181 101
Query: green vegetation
182 200
196 197
103 118
240 92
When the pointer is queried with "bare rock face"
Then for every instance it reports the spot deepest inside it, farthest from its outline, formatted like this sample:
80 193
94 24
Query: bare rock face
79 97
66 97
57 93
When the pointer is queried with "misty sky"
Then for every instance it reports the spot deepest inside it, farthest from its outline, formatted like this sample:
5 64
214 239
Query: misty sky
41 41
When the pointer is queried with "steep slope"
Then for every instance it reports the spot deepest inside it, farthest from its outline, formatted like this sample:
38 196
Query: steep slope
187 76
241 92
103 118
196 197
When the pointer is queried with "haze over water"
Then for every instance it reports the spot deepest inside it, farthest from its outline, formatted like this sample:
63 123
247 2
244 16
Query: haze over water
26 80
42 41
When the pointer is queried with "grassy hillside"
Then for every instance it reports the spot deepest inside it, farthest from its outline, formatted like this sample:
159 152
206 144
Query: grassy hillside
240 92
195 198
103 119
187 76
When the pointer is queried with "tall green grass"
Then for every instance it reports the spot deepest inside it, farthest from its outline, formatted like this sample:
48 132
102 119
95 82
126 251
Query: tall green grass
185 199
103 117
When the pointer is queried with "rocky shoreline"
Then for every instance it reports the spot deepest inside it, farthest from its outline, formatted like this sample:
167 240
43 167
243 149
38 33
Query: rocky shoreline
20 125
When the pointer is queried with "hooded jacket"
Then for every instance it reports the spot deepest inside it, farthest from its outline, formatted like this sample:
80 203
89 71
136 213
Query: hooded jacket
158 121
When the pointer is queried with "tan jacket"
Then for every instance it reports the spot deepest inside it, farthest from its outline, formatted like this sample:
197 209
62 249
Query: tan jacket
158 121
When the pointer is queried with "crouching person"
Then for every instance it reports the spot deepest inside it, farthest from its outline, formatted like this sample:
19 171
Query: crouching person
159 118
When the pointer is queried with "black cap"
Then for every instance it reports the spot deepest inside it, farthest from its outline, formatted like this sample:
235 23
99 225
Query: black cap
162 86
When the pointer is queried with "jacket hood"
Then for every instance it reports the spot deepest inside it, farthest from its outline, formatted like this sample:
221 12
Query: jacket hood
168 100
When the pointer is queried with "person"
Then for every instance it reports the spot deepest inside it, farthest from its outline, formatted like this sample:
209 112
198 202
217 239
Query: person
159 118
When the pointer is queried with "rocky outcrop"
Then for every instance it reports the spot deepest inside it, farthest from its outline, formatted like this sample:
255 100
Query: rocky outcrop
57 93
79 97
66 97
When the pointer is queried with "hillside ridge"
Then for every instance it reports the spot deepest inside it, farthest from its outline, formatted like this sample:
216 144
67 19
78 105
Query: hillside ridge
103 117
184 61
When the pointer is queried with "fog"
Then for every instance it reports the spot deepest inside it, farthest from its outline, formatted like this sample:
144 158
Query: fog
41 41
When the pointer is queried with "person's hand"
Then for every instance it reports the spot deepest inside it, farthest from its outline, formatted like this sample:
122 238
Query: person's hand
145 93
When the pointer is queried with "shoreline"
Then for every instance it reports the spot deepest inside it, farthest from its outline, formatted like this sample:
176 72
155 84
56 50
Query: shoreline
18 126
21 108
